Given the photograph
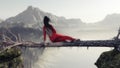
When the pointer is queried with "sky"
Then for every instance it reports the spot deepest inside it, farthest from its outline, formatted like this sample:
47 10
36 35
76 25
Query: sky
88 11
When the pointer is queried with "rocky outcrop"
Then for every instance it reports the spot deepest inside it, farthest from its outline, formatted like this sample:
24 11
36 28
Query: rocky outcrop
11 59
109 59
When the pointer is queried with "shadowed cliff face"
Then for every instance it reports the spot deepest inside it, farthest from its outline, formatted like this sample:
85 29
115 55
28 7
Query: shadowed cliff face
109 59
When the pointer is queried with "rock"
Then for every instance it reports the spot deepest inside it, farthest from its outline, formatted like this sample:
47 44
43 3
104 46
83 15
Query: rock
109 59
11 59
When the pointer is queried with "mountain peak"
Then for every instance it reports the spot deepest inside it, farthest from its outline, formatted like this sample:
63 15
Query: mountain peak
30 8
35 9
29 17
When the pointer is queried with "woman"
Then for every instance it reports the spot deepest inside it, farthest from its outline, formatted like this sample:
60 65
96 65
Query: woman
51 32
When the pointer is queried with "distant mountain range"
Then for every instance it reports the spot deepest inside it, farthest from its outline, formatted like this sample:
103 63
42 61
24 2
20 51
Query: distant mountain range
32 18
111 22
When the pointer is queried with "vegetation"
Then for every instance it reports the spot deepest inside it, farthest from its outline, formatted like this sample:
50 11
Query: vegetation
110 59
11 58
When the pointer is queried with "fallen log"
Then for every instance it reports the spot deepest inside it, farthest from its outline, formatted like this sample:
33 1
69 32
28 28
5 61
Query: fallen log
87 43
90 43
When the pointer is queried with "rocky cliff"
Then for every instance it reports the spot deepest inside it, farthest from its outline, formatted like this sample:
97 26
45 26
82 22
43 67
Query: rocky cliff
109 59
11 59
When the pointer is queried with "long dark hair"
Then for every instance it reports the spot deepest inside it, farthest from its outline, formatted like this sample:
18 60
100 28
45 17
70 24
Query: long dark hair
46 22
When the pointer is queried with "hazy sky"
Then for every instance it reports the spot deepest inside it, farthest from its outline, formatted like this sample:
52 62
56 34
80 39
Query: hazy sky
86 10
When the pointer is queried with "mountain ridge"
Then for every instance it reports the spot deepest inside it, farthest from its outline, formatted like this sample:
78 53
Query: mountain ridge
33 17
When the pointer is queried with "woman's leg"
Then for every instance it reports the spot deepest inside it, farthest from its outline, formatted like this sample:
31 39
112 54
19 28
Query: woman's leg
61 38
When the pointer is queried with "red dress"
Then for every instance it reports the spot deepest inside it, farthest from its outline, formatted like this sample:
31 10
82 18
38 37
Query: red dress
54 37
